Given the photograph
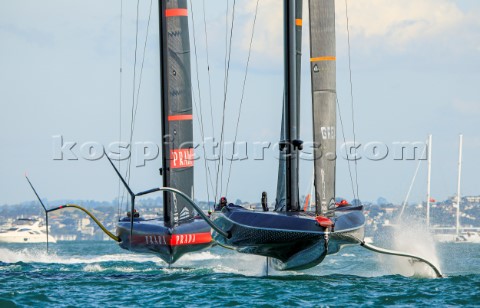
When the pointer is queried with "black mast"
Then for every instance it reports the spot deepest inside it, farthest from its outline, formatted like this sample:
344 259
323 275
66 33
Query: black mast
291 107
280 203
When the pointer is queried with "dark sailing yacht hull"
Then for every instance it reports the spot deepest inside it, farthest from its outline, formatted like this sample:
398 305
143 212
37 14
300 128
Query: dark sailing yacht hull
152 236
294 240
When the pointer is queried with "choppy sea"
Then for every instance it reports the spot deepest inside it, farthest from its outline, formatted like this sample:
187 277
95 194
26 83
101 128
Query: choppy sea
100 274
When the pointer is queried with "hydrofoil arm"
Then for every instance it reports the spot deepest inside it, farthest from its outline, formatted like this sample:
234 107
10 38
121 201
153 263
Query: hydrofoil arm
401 254
110 234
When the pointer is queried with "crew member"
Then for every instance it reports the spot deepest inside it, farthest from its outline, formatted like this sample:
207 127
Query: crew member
222 204
264 201
135 214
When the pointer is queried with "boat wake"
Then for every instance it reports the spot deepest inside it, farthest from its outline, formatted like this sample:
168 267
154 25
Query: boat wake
116 262
40 255
26 255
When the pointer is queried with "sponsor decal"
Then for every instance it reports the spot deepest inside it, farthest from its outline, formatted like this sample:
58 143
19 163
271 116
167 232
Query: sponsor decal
181 158
178 239
157 239
185 213
328 132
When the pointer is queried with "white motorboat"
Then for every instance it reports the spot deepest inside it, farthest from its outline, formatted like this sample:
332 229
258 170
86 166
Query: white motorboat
25 231
468 237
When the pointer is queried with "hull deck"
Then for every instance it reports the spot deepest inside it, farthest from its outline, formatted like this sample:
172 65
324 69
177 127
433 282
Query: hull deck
169 243
294 240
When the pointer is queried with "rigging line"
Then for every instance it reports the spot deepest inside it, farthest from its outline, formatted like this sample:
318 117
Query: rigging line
345 143
207 168
224 82
202 132
411 185
133 98
209 89
243 92
225 92
220 163
120 201
127 172
351 93
141 67
208 68
136 102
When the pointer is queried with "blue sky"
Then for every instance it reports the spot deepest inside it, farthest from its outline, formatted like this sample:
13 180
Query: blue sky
415 71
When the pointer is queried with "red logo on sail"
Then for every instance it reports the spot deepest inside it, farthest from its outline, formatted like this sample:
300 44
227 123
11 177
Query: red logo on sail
181 158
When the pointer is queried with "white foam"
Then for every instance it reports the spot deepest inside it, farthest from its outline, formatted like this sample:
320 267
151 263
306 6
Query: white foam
200 256
412 237
241 264
93 268
36 255
24 255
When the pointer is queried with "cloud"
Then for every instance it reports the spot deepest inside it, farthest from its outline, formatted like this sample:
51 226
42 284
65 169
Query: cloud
395 25
401 21
268 27
466 108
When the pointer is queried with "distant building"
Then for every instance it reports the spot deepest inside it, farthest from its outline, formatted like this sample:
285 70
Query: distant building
390 210
472 199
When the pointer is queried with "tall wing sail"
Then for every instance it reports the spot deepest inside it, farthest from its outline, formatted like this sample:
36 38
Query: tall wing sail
280 202
177 126
323 66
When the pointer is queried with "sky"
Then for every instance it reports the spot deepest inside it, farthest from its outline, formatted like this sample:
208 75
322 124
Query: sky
67 76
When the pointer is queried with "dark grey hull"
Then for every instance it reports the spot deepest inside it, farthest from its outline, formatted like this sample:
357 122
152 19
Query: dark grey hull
169 243
294 240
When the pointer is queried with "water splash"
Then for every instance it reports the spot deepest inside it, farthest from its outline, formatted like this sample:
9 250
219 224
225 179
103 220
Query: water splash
199 256
411 236
26 255
242 264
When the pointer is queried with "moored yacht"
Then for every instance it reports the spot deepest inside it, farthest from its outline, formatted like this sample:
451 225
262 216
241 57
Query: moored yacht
25 231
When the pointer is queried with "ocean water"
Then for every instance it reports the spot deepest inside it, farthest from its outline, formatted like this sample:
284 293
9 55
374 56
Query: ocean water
100 274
